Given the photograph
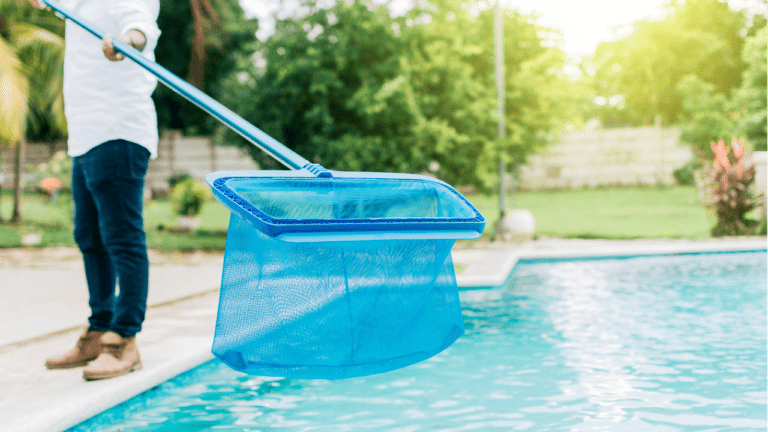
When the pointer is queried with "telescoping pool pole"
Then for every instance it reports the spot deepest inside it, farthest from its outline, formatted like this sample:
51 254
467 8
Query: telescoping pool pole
253 134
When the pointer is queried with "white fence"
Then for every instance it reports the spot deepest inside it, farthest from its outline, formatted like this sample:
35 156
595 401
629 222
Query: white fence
606 157
195 156
627 156
761 177
177 154
36 153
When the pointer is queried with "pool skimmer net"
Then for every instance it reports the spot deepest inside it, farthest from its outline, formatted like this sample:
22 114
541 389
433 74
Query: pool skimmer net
328 274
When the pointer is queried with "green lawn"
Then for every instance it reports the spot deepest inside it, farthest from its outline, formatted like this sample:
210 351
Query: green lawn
54 222
612 213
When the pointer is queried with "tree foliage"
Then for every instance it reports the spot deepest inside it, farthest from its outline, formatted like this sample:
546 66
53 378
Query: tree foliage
641 71
709 115
705 117
749 102
31 61
226 36
352 88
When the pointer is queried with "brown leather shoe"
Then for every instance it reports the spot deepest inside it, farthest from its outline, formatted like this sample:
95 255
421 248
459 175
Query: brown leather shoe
88 348
119 356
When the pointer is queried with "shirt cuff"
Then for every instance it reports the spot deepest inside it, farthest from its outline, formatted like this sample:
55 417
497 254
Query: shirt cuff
138 15
150 30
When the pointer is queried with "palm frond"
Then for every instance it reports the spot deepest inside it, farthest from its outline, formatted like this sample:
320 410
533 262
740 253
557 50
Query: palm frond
14 94
26 35
42 52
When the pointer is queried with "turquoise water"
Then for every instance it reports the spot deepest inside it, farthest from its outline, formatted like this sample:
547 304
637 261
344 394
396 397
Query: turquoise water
668 343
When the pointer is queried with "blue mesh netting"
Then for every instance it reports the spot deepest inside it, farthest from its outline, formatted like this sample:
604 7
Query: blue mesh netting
349 199
333 309
336 309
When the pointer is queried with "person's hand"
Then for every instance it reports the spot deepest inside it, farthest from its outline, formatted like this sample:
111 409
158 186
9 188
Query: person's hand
109 50
133 38
39 4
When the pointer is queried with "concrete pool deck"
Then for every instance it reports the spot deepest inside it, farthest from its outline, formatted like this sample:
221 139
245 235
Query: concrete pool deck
45 306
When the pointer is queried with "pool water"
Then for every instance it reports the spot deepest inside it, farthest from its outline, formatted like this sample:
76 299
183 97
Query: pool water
665 343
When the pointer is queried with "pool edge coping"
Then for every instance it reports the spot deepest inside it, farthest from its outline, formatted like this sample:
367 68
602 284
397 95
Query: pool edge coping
128 392
606 251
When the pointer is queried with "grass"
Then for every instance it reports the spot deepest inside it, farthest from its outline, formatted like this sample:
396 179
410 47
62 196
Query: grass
54 222
609 213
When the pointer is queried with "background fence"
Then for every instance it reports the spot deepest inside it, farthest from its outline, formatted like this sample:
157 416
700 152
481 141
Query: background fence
628 156
605 157
36 154
177 154
196 156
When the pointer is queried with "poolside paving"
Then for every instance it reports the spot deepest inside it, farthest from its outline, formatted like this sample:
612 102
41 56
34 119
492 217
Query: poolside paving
45 307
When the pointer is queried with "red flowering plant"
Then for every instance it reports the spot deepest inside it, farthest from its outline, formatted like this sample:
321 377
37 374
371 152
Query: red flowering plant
729 190
52 176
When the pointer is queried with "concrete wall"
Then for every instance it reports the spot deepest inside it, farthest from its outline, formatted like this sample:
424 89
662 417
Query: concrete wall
605 157
176 154
761 178
195 156
627 156
36 154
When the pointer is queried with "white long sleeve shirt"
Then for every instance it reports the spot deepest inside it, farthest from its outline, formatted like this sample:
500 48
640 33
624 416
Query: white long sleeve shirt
106 100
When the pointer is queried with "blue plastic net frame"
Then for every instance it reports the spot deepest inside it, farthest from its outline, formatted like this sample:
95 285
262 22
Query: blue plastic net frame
327 291
459 218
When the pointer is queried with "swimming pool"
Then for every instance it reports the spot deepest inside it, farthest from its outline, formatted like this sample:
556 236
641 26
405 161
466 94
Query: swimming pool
664 343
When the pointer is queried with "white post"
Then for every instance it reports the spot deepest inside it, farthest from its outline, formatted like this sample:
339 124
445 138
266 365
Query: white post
499 57
761 178
498 25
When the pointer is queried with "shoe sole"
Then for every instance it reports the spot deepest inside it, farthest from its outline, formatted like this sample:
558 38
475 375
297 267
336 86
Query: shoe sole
69 366
94 377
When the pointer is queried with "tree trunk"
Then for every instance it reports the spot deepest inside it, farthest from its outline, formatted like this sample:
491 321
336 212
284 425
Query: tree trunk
18 185
198 56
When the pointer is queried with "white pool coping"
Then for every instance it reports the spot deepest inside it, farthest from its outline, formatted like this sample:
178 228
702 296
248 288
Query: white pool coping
482 260
105 395
68 404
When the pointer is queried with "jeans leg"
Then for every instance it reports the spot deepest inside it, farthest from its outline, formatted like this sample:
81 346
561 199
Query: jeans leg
99 271
116 181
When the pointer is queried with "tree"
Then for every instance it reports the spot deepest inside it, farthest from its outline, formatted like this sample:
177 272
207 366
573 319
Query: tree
710 115
201 40
13 109
352 88
31 59
642 70
706 117
749 102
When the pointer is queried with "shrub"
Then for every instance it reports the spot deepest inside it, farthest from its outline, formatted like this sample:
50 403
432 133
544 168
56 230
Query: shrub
46 174
176 178
188 196
729 190
685 175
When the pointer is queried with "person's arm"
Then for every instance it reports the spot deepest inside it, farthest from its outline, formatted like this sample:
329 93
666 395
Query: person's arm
134 38
137 21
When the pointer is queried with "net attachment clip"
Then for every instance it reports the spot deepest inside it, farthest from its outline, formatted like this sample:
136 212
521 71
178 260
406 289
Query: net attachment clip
318 170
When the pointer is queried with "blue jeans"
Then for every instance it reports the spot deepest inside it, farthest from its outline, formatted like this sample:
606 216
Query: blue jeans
108 189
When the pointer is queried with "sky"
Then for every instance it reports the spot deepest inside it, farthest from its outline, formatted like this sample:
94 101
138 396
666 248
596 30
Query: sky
586 23
583 23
